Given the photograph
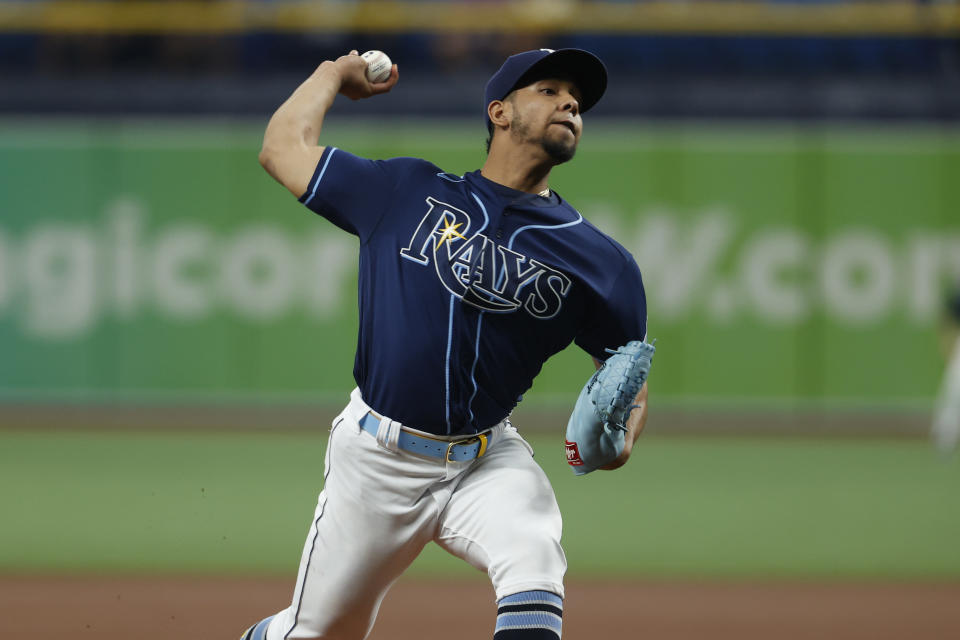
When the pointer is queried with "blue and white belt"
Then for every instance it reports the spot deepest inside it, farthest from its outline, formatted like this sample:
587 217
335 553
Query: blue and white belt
449 450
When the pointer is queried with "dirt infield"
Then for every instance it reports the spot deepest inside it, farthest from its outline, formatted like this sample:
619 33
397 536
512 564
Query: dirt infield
108 608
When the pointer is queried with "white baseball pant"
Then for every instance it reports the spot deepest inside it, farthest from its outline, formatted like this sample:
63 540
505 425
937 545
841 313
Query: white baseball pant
380 506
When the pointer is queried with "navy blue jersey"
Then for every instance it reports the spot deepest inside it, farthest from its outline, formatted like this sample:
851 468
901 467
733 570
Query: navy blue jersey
467 287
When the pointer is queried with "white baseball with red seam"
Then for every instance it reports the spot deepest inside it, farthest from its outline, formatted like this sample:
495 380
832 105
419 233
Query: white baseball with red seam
378 66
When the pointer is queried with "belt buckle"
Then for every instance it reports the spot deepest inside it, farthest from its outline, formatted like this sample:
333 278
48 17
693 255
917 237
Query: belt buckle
480 437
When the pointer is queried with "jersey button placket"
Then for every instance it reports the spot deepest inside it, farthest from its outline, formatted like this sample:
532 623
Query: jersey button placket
505 214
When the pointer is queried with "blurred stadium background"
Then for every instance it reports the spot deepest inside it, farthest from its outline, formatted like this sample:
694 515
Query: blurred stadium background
176 332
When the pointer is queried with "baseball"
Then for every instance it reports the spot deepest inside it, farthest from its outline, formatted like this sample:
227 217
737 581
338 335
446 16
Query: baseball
378 66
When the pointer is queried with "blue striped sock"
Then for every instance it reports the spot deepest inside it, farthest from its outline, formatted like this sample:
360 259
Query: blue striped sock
530 615
257 631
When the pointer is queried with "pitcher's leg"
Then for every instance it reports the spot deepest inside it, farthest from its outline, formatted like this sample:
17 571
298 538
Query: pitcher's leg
344 576
371 521
503 518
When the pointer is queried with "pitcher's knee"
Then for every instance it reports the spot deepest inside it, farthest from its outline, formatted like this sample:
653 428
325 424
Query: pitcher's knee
534 564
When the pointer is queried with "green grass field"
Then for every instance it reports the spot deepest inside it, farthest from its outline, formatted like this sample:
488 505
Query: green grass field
685 507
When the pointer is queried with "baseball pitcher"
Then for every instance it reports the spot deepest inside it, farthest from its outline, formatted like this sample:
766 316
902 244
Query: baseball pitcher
467 285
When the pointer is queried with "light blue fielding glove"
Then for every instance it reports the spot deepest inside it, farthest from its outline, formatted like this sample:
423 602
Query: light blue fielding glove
597 427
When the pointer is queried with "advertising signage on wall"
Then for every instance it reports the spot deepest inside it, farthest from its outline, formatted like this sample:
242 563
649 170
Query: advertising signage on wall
780 267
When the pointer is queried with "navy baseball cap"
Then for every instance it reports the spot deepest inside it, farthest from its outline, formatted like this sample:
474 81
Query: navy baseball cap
521 69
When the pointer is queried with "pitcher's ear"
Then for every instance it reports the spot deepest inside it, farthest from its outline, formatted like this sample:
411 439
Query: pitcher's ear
499 112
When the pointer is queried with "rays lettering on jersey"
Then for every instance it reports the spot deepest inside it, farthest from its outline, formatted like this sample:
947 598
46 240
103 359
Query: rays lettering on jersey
480 272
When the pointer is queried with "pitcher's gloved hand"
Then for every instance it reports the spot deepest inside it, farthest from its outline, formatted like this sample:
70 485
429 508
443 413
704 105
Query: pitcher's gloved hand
597 426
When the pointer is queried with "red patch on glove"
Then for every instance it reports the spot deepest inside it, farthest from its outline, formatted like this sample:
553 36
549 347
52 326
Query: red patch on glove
573 454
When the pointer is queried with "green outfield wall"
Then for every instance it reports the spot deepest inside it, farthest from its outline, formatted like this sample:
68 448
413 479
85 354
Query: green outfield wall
785 267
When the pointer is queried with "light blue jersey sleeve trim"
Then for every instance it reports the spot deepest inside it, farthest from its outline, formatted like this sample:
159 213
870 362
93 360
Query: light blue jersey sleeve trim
323 170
